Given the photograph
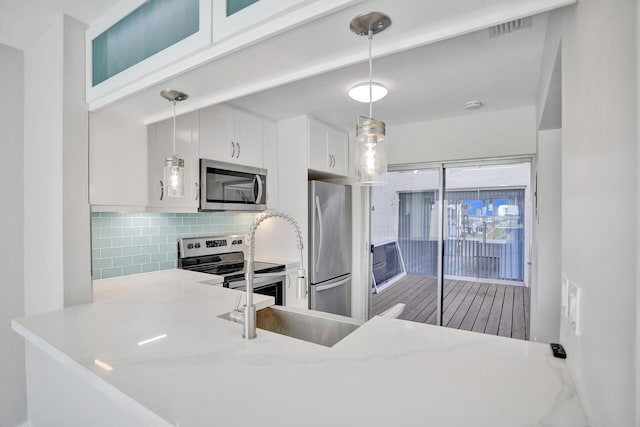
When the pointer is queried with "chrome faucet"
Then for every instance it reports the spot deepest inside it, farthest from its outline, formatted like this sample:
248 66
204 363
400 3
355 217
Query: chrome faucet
247 314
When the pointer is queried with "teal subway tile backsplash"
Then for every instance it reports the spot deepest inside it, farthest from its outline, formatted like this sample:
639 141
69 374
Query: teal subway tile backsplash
130 243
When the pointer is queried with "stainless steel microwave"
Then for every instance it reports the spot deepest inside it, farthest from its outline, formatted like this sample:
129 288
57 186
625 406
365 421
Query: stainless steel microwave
231 187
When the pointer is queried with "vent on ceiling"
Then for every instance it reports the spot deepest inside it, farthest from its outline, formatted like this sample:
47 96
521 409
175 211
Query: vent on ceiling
509 27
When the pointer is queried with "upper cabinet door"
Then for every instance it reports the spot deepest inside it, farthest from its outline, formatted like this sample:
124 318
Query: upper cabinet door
328 149
318 148
248 138
117 161
216 136
230 135
160 140
338 143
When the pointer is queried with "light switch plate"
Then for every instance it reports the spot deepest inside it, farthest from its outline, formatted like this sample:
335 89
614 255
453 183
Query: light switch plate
574 307
564 299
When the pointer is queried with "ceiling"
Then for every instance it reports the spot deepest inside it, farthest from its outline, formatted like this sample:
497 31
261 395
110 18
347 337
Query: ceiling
307 70
29 18
435 56
425 83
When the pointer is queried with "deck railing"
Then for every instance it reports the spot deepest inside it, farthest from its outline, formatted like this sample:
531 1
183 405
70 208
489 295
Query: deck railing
472 248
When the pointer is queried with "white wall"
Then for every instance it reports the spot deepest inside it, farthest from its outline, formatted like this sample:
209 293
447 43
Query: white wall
56 211
637 346
546 84
472 136
75 168
599 203
546 283
43 170
13 403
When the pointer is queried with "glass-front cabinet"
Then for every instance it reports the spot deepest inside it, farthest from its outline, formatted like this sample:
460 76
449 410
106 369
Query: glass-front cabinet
143 42
137 38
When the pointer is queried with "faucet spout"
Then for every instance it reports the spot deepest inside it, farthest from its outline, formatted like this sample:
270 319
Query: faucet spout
249 309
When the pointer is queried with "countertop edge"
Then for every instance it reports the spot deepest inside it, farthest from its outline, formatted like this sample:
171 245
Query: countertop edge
91 378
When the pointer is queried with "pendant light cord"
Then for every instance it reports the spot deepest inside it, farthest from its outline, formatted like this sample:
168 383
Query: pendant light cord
370 76
174 127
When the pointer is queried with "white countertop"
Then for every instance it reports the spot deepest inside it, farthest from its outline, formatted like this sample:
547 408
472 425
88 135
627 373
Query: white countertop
387 373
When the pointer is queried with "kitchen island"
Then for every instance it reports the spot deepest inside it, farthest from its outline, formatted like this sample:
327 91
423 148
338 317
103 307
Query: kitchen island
151 350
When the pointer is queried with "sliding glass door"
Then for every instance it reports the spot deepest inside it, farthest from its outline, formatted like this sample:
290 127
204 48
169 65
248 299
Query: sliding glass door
472 275
405 238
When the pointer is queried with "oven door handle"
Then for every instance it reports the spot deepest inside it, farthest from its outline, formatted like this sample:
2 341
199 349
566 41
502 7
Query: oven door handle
259 280
258 180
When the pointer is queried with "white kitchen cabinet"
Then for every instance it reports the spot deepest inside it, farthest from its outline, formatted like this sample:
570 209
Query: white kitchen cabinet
328 149
270 148
230 135
137 39
117 162
160 146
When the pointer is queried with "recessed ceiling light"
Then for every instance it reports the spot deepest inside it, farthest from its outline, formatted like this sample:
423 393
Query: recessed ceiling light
473 105
360 92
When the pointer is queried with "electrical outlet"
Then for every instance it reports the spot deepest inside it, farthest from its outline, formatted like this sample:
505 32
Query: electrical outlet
574 307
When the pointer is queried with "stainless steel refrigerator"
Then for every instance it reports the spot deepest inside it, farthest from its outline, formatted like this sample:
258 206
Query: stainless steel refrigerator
330 247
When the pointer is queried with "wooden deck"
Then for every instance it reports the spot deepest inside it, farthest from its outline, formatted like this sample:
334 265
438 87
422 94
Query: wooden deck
481 307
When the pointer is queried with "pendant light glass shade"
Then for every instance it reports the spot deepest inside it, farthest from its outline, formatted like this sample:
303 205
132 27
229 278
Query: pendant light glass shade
371 152
174 165
174 176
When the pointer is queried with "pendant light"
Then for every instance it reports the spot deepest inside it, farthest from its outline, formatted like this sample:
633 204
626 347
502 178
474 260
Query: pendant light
174 165
371 152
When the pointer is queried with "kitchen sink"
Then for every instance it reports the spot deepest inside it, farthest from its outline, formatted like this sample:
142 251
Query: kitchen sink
312 326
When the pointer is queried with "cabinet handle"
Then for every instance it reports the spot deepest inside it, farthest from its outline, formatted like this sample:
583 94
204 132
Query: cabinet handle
197 191
161 190
333 160
238 155
233 153
330 160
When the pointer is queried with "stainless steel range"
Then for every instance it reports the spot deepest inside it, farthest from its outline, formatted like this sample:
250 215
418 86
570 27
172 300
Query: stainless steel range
224 256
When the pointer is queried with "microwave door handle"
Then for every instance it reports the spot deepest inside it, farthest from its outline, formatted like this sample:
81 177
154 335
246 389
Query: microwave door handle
320 232
259 195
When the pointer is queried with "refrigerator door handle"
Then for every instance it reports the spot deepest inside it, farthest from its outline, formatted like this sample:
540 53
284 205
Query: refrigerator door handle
320 231
332 285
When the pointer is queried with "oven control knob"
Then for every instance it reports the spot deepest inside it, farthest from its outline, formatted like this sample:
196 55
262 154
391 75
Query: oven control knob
197 245
190 246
